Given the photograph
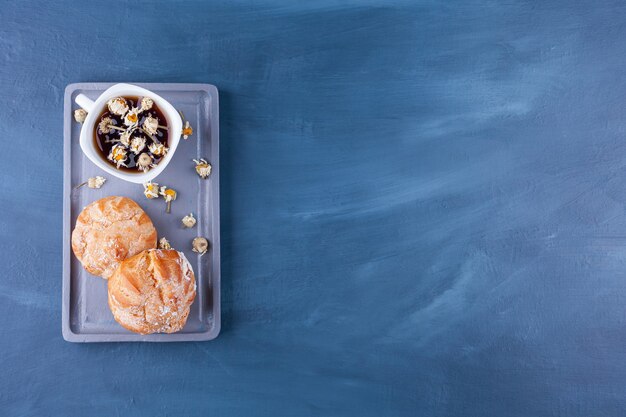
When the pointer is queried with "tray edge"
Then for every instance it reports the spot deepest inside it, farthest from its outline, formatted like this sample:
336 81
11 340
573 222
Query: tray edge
68 334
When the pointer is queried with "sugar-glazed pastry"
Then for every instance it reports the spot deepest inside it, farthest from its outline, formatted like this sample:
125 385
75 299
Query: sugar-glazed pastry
152 292
110 230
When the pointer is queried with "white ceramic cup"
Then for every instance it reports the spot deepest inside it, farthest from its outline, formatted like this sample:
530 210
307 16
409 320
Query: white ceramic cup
94 108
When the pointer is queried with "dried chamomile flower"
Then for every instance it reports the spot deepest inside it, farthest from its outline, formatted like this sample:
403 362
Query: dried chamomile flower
189 221
151 125
151 190
144 162
132 117
137 144
80 115
187 130
157 149
118 155
200 245
93 182
164 244
203 168
125 137
118 106
96 182
146 103
169 194
105 125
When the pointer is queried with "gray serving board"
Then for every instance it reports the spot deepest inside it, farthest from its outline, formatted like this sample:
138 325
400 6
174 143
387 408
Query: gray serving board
86 315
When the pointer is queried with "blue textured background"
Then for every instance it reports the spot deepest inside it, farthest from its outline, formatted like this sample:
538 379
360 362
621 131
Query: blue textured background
423 207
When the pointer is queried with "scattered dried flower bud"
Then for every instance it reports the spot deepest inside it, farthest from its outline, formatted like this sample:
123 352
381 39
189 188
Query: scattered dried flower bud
132 117
144 162
164 244
200 245
169 194
151 125
187 130
118 155
80 115
137 145
151 190
93 182
118 106
203 168
96 182
146 103
104 124
158 149
189 221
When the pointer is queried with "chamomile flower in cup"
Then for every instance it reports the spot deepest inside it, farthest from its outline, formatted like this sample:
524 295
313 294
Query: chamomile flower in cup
118 106
118 155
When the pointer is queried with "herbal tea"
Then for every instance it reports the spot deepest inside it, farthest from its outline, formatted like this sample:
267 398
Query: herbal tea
131 133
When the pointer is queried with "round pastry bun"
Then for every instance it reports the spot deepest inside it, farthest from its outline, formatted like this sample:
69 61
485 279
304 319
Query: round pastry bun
152 292
110 230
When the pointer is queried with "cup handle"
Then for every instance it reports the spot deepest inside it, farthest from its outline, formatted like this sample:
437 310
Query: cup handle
84 102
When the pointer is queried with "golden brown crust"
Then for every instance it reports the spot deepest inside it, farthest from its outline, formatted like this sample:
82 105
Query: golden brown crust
108 231
152 292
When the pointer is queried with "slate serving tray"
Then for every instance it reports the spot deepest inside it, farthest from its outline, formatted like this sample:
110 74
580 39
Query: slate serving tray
86 316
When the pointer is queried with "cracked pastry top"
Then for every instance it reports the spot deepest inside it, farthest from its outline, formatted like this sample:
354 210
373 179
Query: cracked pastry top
152 292
110 230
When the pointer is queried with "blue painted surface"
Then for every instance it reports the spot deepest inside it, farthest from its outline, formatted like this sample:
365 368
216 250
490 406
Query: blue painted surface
423 208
